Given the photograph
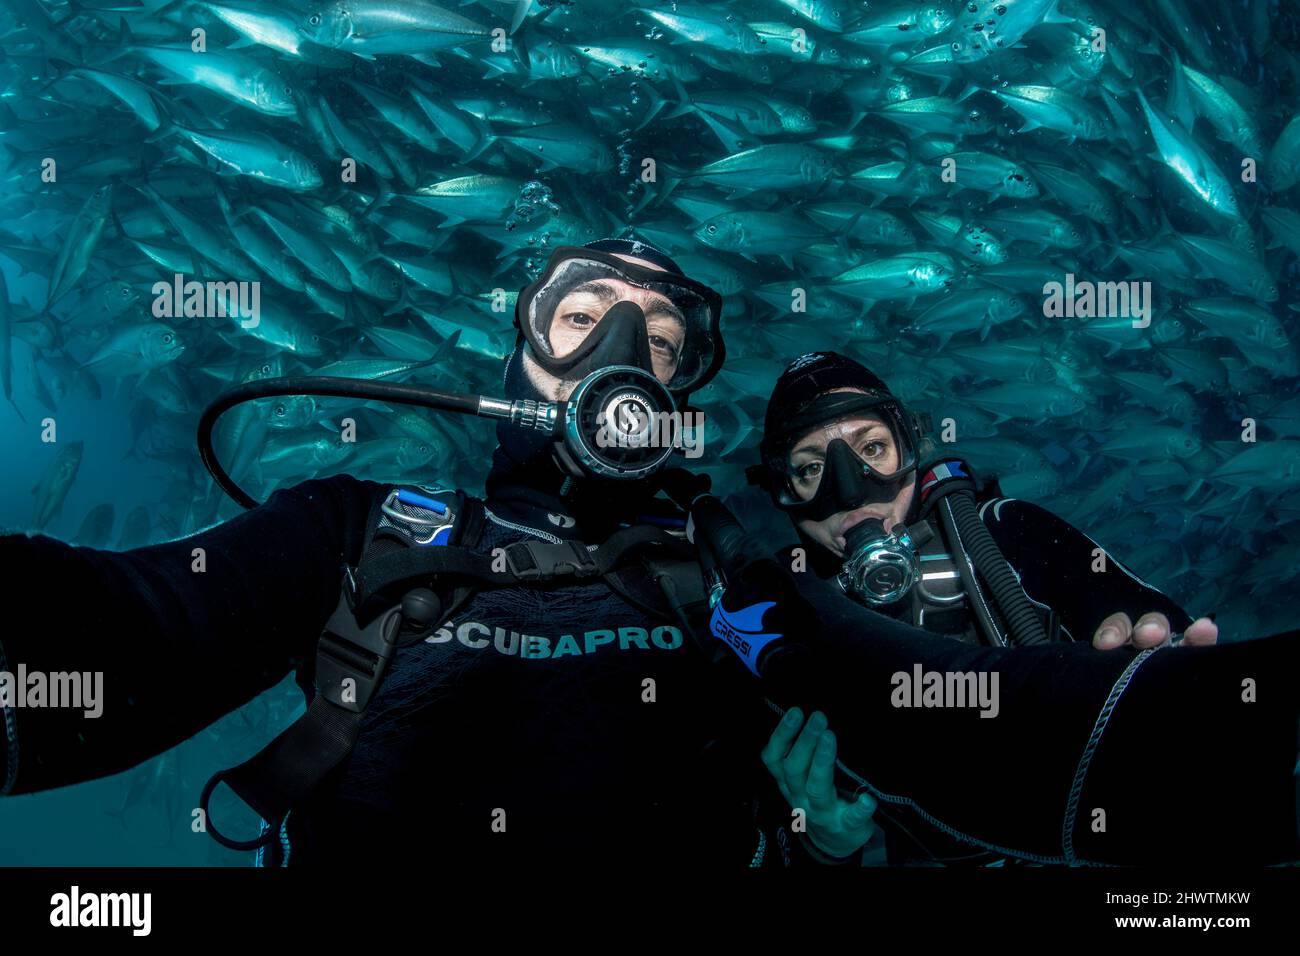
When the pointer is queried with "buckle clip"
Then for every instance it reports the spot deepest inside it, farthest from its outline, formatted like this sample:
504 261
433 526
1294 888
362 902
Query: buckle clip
533 561
350 659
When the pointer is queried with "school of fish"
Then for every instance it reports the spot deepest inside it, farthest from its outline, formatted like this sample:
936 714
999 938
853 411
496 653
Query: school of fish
898 181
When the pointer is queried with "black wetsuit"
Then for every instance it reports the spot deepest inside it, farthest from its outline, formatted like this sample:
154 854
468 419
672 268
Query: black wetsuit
562 740
1096 757
530 708
1054 562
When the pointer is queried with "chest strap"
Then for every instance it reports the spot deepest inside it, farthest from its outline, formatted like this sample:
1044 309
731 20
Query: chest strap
375 583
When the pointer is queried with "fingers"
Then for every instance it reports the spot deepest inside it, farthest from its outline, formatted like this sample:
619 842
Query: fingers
1151 630
821 775
1113 632
799 759
1202 632
858 815
778 745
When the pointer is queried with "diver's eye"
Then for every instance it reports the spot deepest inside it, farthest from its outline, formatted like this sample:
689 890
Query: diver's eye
809 472
579 319
661 344
874 449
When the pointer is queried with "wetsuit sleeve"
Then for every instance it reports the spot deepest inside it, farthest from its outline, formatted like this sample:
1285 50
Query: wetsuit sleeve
177 647
1055 562
1048 753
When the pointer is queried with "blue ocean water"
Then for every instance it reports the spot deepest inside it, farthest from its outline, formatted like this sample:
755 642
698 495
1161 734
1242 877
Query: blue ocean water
901 183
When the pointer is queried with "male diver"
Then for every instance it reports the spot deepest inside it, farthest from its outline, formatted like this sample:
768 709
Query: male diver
544 703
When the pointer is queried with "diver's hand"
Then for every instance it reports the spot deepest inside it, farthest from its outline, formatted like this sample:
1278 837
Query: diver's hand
804 770
1151 630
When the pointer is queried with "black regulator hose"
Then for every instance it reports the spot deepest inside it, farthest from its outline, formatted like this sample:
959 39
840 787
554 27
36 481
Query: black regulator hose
328 385
962 522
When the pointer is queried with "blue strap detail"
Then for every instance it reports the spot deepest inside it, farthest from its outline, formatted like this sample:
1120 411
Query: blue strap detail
408 497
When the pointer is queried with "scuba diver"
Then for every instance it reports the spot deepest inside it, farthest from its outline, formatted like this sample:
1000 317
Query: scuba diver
840 457
519 679
891 533
504 680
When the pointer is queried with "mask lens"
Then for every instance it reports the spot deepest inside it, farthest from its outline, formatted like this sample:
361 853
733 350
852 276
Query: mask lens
578 292
877 446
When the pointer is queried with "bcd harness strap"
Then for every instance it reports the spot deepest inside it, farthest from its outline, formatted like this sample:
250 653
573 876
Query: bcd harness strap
388 601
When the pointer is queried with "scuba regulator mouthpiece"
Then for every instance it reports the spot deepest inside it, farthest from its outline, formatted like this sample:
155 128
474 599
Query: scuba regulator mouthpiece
879 567
608 428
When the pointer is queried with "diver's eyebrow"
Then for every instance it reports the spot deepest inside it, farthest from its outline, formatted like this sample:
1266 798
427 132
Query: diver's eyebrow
661 305
596 287
666 308
811 447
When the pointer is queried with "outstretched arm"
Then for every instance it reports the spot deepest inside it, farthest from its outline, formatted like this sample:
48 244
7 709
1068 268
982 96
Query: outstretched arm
181 632
1097 597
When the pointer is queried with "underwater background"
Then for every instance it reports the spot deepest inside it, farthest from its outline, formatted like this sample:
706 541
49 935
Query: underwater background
901 182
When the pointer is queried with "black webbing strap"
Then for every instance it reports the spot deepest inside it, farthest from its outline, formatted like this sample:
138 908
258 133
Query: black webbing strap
530 562
350 662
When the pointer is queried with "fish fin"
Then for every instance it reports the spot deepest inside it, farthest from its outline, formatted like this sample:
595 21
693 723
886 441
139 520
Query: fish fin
731 138
520 14
1031 125
657 103
684 104
519 47
445 349
1054 15
970 90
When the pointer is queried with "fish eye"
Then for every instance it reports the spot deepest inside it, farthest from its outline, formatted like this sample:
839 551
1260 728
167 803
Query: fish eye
712 229
126 291
314 19
167 338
